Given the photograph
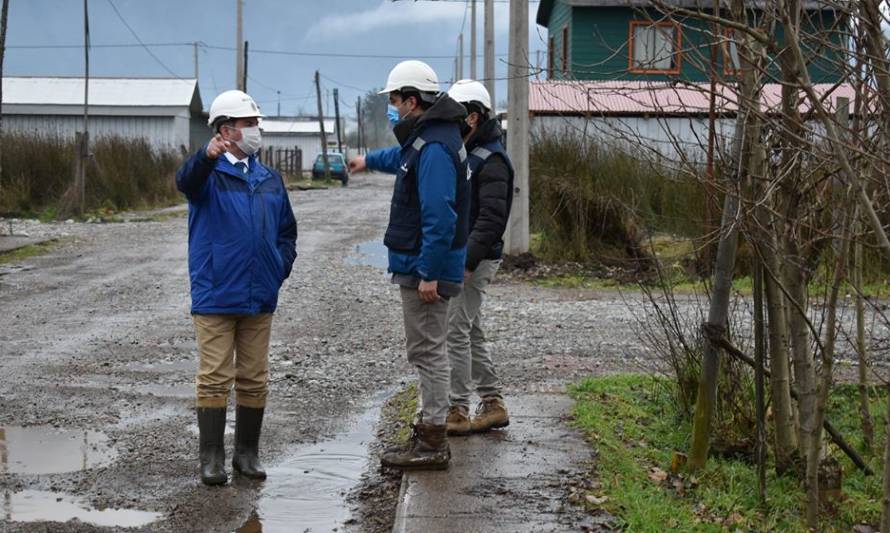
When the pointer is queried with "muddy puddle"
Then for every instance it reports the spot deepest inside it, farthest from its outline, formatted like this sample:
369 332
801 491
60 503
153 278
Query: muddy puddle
42 506
49 450
308 490
370 253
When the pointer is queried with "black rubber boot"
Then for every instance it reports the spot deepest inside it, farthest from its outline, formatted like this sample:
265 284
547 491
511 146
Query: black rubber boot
246 460
212 427
427 450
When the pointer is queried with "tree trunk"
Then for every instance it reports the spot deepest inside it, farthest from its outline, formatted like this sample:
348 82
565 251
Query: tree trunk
814 452
745 139
786 438
885 507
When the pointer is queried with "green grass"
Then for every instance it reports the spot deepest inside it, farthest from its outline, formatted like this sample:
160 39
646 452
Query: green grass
406 402
25 252
628 419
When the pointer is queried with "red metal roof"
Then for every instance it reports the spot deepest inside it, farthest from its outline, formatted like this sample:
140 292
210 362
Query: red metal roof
654 98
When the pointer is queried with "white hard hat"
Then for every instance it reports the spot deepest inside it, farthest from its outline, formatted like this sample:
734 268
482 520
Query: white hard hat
416 74
233 104
470 91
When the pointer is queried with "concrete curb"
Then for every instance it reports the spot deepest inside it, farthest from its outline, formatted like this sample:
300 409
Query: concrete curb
400 525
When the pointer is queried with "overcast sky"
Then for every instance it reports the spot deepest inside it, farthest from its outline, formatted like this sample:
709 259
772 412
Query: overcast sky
404 29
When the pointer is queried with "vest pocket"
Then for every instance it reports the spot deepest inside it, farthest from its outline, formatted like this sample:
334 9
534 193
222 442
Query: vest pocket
402 237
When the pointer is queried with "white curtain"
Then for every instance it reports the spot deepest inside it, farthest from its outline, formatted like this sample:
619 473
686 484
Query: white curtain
654 47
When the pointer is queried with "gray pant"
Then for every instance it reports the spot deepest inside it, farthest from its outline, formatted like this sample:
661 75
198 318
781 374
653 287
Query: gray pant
425 329
470 359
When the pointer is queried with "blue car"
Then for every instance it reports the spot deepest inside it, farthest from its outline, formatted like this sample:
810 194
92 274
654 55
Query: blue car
338 166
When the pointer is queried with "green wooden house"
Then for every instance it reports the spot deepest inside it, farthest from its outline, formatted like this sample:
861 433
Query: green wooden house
632 40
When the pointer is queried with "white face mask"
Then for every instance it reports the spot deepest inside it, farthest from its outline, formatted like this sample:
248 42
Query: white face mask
251 140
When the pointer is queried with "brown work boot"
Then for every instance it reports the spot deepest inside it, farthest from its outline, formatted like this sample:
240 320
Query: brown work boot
427 450
458 421
490 414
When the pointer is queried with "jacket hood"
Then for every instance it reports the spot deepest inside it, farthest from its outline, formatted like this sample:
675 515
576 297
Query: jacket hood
490 130
445 109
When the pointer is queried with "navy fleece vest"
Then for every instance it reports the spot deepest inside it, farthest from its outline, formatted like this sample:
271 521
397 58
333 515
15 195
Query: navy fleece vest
480 155
404 232
477 159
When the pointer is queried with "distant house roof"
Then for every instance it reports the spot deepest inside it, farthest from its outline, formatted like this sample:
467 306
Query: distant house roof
546 6
626 98
295 125
158 92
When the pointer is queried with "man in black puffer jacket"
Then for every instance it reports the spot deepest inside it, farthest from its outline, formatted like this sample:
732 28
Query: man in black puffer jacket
491 176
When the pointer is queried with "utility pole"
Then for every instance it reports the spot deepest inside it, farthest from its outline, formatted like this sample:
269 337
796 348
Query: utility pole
324 139
489 51
518 126
195 56
538 64
358 121
244 79
337 119
279 103
460 56
239 46
4 16
85 140
473 39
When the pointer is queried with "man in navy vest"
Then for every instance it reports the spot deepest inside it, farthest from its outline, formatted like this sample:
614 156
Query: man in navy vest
427 238
491 175
242 245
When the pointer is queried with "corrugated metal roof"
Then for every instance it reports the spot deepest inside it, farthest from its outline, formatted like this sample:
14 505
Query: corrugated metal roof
112 92
295 125
651 98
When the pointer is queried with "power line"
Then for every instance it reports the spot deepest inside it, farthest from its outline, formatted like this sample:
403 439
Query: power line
334 54
346 85
93 45
136 36
228 49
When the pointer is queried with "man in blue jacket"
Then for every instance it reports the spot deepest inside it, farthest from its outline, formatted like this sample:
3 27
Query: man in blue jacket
242 245
426 238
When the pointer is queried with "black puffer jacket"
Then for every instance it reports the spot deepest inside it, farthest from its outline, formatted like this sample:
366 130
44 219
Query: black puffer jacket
492 198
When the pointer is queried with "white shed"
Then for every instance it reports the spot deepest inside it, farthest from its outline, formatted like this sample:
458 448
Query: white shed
167 112
287 133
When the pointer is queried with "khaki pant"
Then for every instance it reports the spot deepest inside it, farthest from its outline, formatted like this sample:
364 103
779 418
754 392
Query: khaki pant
425 329
471 364
233 349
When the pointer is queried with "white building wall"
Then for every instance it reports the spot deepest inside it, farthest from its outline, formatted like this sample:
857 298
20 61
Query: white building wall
669 138
165 132
310 145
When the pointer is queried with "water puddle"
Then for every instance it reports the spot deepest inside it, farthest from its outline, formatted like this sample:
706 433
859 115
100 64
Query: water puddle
370 253
49 450
42 506
307 492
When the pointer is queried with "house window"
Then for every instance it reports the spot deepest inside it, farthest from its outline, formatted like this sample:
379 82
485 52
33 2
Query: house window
654 47
565 51
731 64
550 49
